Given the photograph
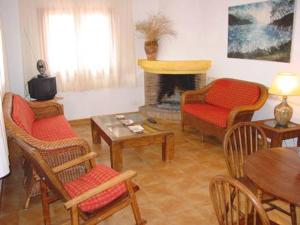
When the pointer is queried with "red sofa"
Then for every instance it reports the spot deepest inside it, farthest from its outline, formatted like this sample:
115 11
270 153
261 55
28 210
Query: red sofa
224 102
51 128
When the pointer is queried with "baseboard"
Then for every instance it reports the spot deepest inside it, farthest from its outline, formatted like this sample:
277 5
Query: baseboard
80 121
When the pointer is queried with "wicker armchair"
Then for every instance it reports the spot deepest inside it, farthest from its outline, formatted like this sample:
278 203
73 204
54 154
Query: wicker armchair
223 103
54 152
93 197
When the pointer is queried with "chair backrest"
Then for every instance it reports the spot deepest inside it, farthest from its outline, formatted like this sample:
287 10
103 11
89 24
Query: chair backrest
235 204
42 169
241 140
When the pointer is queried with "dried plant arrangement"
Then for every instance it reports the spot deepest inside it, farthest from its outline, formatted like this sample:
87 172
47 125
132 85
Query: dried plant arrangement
154 27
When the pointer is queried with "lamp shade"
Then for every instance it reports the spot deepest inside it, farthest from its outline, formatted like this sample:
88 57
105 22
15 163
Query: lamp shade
285 84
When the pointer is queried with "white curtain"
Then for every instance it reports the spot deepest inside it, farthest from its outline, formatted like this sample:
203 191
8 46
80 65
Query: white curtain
4 162
88 44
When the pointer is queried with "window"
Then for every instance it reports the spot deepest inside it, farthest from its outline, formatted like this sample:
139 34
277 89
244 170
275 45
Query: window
78 47
81 48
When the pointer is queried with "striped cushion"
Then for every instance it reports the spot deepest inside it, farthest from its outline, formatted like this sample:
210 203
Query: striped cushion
92 179
231 93
22 114
209 113
52 129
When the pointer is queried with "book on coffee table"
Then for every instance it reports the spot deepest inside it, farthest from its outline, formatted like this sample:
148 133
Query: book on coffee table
127 122
136 128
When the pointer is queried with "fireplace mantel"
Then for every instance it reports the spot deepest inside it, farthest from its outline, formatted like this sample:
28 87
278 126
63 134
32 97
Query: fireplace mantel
175 67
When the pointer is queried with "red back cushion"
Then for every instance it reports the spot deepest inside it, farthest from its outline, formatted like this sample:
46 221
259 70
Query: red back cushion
52 129
232 93
22 114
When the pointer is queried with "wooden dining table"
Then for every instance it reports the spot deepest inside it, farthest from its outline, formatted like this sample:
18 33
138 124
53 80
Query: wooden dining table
277 171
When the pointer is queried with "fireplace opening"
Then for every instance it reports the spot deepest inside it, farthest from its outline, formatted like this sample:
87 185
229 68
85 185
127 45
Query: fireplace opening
170 89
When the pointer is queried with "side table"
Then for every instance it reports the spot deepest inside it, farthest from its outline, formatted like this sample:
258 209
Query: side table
278 134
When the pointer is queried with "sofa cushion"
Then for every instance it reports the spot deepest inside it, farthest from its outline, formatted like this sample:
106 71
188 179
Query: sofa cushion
96 176
52 129
231 93
22 114
209 113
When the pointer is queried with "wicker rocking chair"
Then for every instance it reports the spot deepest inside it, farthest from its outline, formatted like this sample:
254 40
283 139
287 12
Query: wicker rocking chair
54 152
84 198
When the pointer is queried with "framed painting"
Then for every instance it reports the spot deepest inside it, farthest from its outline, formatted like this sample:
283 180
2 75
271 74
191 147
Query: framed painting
261 31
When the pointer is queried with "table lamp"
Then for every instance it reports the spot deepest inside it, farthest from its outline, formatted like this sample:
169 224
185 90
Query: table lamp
285 84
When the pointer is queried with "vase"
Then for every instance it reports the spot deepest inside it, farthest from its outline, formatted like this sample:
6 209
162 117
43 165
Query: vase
151 49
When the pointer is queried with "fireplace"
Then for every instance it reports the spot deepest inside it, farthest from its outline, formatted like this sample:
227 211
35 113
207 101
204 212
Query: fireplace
165 81
170 89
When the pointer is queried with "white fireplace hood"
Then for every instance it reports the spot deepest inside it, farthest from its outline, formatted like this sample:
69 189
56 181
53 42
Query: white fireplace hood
175 67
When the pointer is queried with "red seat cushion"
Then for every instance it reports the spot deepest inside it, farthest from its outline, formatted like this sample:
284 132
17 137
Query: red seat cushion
209 113
98 175
52 129
231 93
22 114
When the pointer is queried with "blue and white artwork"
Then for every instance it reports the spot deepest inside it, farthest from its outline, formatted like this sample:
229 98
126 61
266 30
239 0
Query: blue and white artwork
261 30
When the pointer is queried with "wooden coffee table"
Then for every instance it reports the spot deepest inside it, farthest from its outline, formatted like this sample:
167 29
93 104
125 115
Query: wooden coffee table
118 136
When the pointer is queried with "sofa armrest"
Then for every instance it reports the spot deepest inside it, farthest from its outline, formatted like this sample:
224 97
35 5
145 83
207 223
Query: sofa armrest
74 162
249 109
50 148
46 109
193 96
238 111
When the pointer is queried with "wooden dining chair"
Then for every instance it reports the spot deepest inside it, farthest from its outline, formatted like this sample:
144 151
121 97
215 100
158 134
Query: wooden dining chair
93 197
241 140
245 209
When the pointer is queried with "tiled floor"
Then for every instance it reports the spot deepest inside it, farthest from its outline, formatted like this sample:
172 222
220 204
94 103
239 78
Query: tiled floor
173 193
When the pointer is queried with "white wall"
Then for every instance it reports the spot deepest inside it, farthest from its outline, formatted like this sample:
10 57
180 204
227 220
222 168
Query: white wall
202 28
187 20
9 14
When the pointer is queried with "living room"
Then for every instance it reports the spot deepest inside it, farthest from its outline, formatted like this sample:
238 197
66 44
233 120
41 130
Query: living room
201 29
